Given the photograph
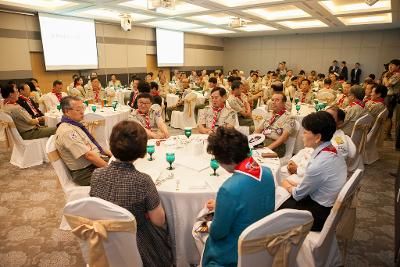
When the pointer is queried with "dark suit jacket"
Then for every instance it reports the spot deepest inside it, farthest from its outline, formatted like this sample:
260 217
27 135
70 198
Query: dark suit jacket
333 69
355 77
26 106
130 101
345 73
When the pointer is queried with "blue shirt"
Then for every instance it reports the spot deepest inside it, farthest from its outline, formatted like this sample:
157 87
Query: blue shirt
241 201
325 176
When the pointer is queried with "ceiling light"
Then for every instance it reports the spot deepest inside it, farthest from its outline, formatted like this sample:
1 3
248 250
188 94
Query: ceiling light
52 4
181 8
212 31
172 24
301 24
234 3
140 4
367 19
113 15
354 7
279 12
216 19
256 28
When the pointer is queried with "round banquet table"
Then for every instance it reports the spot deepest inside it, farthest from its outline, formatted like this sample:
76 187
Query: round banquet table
173 99
121 95
186 193
111 117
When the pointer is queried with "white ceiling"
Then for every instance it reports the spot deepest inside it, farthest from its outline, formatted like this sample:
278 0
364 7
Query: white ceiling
211 17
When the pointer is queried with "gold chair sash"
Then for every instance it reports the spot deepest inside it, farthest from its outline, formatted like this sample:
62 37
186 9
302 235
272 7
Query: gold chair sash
95 231
278 245
92 125
6 126
189 103
53 156
364 133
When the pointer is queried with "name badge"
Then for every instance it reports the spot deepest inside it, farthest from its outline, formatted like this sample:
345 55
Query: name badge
279 131
267 131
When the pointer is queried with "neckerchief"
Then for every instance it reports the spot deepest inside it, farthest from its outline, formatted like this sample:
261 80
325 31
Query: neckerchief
147 119
330 148
357 102
341 100
216 112
155 93
96 95
303 97
28 100
65 119
250 168
58 95
273 118
379 100
10 103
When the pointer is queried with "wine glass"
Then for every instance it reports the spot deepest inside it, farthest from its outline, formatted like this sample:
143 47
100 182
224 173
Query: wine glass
296 100
114 104
298 109
59 107
214 165
323 105
151 149
94 107
170 156
105 102
188 132
86 103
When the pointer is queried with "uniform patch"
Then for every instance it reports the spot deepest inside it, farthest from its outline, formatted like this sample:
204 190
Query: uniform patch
73 136
338 140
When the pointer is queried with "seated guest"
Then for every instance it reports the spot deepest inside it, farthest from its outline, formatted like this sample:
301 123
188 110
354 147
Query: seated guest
305 94
342 100
77 89
154 89
295 169
28 104
237 101
163 87
277 87
180 104
212 83
335 85
327 94
149 77
114 82
76 146
52 99
149 117
72 85
135 92
94 92
123 185
36 93
355 110
89 83
368 85
244 198
278 125
255 85
216 114
27 126
325 174
291 88
377 103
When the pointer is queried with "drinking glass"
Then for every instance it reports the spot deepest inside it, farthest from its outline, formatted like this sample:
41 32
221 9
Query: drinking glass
214 165
59 107
114 104
296 100
151 149
94 107
298 109
188 132
105 102
86 103
170 156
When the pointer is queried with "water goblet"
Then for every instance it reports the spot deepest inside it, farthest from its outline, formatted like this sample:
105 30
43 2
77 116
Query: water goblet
151 149
94 107
214 165
170 156
298 109
188 132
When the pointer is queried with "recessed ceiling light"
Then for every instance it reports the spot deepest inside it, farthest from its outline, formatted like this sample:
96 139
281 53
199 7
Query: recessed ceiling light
354 7
52 4
217 18
112 14
256 28
212 31
234 3
180 8
367 19
301 24
172 24
140 4
278 12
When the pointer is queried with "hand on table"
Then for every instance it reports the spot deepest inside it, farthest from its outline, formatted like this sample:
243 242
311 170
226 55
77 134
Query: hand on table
292 167
287 185
210 205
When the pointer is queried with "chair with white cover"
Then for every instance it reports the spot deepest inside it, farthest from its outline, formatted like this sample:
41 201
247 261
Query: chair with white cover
269 242
71 190
243 129
320 249
290 143
374 137
96 125
185 118
359 137
107 232
25 153
258 114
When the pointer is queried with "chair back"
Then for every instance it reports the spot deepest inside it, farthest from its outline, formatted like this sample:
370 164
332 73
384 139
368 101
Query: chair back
189 105
377 129
9 130
259 115
96 125
120 247
269 242
360 132
290 143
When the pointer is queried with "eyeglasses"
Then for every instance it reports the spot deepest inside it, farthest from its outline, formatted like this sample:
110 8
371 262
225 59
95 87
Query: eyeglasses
144 103
80 108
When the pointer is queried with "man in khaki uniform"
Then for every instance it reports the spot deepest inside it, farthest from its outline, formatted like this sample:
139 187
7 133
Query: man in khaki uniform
53 98
377 103
355 110
239 103
164 88
27 126
216 114
149 116
342 100
278 125
180 104
305 94
76 146
327 95
255 86
95 92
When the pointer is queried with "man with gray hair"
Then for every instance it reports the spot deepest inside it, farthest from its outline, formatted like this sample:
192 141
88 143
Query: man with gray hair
355 110
76 146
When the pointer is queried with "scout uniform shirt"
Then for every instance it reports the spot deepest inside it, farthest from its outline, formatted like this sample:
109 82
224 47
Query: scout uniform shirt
343 144
275 124
237 103
148 121
20 116
254 87
51 100
72 144
342 101
96 96
221 116
164 89
375 107
327 96
354 111
307 98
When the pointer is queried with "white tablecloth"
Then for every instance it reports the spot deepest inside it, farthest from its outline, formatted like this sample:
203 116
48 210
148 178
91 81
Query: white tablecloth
195 188
173 99
111 117
121 95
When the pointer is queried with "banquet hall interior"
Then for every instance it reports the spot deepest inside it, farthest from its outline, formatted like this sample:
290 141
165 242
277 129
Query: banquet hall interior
199 133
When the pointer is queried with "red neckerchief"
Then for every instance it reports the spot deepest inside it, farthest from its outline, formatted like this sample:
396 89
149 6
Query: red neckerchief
379 100
357 102
96 95
250 168
216 112
303 97
28 100
155 93
273 118
135 94
8 102
330 148
58 95
147 119
341 100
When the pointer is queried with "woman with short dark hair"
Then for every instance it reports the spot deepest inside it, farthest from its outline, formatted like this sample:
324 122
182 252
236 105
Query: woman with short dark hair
121 184
244 198
325 174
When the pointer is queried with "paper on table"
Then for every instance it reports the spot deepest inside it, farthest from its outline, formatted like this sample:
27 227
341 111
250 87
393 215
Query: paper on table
215 182
192 161
281 195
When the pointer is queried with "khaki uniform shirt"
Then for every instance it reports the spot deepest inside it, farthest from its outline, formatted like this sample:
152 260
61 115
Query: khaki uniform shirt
20 116
327 95
353 113
237 104
254 87
225 116
72 144
308 98
375 108
78 92
155 117
164 89
90 94
342 101
394 82
282 123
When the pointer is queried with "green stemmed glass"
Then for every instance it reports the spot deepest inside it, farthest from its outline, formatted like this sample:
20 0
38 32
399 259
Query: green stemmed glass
94 108
86 103
151 149
214 165
114 104
296 100
105 102
298 109
170 156
188 132
59 107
